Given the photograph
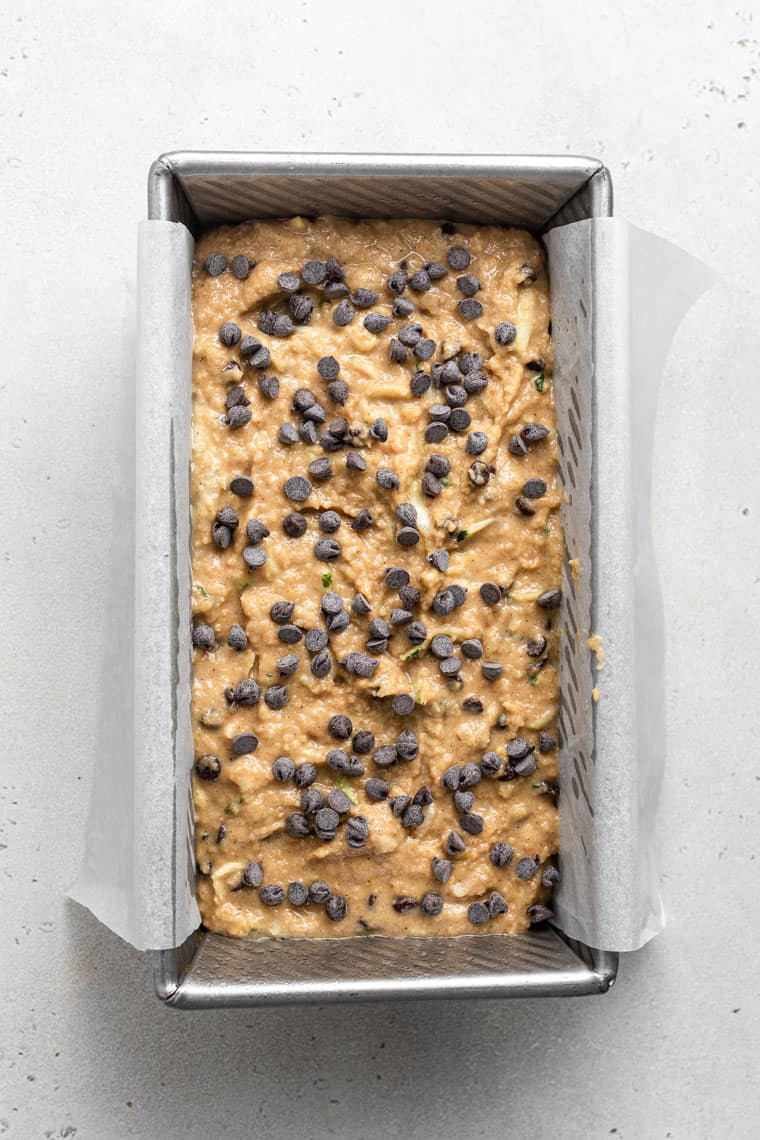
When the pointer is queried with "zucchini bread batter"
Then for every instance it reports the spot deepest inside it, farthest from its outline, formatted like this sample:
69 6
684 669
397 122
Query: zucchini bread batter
376 561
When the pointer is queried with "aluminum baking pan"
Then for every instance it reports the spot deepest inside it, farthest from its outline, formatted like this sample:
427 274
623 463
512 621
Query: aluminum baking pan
204 189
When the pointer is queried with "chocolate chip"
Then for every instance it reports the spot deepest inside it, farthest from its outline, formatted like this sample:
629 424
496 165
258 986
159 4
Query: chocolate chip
242 485
378 627
246 693
364 298
339 801
451 666
276 324
442 869
387 479
396 351
244 743
305 775
456 395
328 367
340 726
409 335
419 383
413 817
431 904
470 309
471 776
435 270
283 769
289 634
357 831
320 469
298 894
287 665
316 413
287 434
436 432
525 767
532 433
236 397
407 745
326 549
326 822
237 638
490 593
254 557
402 308
400 617
475 382
241 266
550 599
276 697
477 442
526 275
477 913
444 603
282 612
229 333
455 845
420 281
355 461
534 489
396 283
379 430
402 704
404 903
408 536
458 257
319 892
539 913
314 272
459 420
497 904
517 446
526 868
360 605
208 767
416 632
289 282
472 648
337 390
385 756
364 741
505 333
297 488
376 323
491 670
215 264
249 345
490 763
442 646
238 417
546 742
409 596
377 789
469 285
501 854
439 412
315 640
272 895
550 877
536 648
269 386
423 796
343 313
463 801
321 664
308 432
395 578
361 664
203 637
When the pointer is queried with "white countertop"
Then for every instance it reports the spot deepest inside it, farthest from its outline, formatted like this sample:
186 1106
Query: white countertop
669 96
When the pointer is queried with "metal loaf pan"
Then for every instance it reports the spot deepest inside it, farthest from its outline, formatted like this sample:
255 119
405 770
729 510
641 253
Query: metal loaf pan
204 189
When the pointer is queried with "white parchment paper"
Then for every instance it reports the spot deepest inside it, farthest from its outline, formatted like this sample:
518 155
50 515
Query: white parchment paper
617 296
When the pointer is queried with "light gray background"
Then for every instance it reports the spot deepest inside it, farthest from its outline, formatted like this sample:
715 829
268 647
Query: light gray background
668 94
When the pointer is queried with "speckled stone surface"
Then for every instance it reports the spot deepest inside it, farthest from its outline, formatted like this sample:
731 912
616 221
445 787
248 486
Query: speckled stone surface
669 96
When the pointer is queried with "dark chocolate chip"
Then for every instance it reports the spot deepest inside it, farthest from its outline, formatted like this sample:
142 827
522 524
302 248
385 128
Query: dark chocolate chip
360 605
532 433
396 283
319 892
505 333
420 281
343 313
364 298
490 763
501 854
463 801
387 479
435 270
395 578
215 265
402 308
490 593
282 612
444 603
470 309
253 875
287 434
337 390
469 285
517 446
376 322
208 767
379 430
301 308
364 741
471 776
455 845
276 697
431 904
414 816
442 869
254 557
497 904
229 333
534 489
326 549
244 743
416 632
355 461
451 666
242 485
289 634
287 665
546 742
385 756
431 485
238 417
458 257
298 894
550 599
478 914
539 913
314 272
550 877
321 664
289 282
203 637
361 664
527 868
396 351
320 469
402 904
283 769
419 383
237 638
246 693
377 789
357 831
272 895
402 704
328 367
407 745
